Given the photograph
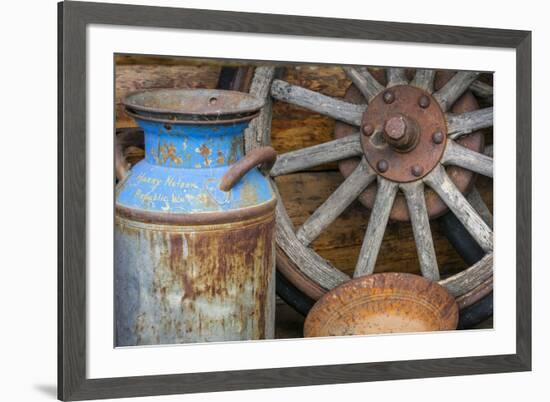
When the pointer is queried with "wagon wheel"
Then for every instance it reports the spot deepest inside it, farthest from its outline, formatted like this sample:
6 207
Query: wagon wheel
410 145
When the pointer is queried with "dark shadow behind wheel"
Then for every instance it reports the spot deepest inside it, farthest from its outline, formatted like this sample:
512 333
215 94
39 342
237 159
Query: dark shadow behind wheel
292 296
471 253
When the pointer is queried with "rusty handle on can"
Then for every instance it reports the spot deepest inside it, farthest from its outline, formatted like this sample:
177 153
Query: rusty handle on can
261 155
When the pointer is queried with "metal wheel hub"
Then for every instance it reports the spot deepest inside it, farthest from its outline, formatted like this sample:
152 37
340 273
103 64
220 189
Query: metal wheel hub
404 133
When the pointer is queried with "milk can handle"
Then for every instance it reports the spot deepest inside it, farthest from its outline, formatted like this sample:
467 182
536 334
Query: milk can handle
261 155
122 167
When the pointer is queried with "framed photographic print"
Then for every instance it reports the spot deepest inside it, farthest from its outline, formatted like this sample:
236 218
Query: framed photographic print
253 201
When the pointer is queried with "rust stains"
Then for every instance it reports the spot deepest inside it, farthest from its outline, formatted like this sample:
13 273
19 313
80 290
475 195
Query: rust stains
209 283
205 152
236 148
179 266
388 302
220 159
249 196
168 152
207 200
175 250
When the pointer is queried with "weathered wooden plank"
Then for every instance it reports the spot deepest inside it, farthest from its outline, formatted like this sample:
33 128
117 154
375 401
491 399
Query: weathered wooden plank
453 89
309 262
364 81
317 102
328 80
305 158
466 123
338 201
293 131
396 76
294 127
377 226
468 279
259 131
424 79
458 155
139 59
416 203
438 180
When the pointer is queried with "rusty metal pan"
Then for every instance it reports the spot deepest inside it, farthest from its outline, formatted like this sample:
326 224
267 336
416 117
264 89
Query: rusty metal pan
383 303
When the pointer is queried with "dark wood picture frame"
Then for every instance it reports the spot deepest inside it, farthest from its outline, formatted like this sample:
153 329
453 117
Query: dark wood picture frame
73 17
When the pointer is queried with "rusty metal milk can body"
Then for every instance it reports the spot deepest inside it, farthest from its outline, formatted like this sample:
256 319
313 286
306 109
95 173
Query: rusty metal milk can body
194 224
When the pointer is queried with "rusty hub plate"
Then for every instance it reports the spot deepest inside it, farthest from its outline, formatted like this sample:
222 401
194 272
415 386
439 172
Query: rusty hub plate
462 178
409 135
383 303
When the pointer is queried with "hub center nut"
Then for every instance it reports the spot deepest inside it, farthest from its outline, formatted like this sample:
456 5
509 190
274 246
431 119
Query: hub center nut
401 133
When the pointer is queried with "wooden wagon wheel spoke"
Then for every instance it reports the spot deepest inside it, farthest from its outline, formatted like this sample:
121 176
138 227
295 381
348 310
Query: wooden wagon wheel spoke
466 123
396 76
340 110
424 79
316 155
474 198
378 221
259 131
338 201
364 81
458 155
440 182
453 89
481 89
414 194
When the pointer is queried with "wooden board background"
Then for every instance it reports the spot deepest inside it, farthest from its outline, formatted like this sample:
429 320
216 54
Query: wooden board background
295 128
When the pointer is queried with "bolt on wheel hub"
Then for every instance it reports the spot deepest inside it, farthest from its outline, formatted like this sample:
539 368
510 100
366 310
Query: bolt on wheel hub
404 133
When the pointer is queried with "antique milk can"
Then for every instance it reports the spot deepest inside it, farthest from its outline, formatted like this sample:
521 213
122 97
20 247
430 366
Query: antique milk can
194 224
